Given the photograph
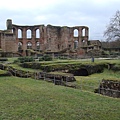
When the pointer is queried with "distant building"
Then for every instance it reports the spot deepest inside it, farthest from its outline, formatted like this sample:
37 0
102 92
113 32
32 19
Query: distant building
52 39
27 40
94 44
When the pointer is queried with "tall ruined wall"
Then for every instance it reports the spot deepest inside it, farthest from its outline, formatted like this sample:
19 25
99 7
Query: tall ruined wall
60 38
66 37
7 39
8 43
30 42
0 39
51 38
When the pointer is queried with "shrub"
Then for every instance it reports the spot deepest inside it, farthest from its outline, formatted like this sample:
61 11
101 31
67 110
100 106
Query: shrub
45 58
41 59
16 61
25 59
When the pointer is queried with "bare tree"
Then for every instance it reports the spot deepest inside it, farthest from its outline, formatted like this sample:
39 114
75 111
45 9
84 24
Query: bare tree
112 31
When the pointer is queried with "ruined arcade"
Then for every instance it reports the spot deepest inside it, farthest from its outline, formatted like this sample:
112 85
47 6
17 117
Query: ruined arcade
44 39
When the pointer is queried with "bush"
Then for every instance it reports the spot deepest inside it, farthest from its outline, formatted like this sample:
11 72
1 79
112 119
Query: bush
32 65
16 61
41 59
25 59
45 58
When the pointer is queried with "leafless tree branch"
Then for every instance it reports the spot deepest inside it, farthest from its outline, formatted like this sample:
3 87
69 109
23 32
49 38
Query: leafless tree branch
112 31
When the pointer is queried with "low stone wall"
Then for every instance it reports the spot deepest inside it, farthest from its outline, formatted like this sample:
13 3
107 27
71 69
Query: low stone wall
109 88
57 79
86 70
76 69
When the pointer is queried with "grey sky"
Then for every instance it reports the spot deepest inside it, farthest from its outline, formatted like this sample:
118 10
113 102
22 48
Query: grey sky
95 14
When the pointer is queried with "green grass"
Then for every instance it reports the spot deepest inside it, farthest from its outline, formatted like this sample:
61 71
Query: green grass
2 71
97 60
29 99
86 61
79 62
63 63
11 59
91 82
16 66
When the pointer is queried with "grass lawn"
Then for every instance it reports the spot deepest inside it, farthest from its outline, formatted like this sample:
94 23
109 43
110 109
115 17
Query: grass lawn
2 72
80 61
91 82
29 99
16 66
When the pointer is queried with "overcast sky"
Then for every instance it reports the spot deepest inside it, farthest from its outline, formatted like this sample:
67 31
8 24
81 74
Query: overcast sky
95 14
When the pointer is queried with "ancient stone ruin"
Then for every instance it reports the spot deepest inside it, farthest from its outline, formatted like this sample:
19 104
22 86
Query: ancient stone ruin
44 39
109 88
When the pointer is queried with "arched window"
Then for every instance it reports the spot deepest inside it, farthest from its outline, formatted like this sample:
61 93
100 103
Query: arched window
75 33
38 45
58 46
29 34
37 33
14 31
75 44
20 46
29 45
83 32
19 33
83 41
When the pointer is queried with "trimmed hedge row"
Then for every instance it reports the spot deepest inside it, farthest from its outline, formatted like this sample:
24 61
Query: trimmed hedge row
25 59
45 58
32 59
